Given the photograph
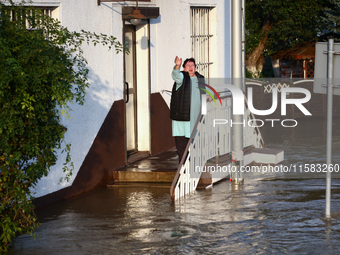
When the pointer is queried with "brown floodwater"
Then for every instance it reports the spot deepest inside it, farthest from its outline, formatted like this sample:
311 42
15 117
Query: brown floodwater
281 213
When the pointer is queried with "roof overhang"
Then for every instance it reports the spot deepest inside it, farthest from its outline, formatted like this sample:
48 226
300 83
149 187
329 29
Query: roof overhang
147 12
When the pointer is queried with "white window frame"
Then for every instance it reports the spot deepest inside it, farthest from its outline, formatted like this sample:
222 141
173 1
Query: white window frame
51 11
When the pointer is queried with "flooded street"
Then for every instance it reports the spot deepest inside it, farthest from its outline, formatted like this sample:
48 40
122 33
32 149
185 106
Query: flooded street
281 213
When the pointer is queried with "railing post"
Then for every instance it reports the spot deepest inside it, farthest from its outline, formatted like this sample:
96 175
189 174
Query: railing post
329 124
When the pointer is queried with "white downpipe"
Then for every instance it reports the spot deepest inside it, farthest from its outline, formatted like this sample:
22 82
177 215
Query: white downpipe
237 34
244 41
238 80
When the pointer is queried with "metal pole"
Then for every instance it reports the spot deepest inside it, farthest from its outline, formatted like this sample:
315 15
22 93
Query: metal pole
237 120
330 68
243 17
237 62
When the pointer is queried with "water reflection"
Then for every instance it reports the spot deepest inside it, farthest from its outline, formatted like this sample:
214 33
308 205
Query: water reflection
271 213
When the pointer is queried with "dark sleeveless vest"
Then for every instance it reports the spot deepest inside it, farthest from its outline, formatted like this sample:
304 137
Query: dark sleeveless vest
181 98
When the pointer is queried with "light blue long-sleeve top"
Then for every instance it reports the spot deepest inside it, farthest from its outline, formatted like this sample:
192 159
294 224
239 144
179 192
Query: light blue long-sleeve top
184 128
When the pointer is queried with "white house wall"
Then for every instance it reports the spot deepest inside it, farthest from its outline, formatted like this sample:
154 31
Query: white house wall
169 36
106 78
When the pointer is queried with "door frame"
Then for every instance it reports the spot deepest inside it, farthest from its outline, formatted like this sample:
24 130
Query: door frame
142 80
131 28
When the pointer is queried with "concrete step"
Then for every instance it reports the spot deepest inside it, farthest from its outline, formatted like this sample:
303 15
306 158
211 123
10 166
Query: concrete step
215 169
162 168
154 176
251 155
130 185
265 156
142 168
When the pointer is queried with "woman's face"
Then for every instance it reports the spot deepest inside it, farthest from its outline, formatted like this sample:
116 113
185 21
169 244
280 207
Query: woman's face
190 68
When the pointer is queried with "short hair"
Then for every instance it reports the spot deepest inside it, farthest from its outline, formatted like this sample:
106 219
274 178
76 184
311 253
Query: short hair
189 60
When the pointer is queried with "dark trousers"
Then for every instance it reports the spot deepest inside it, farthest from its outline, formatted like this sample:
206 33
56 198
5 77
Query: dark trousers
181 143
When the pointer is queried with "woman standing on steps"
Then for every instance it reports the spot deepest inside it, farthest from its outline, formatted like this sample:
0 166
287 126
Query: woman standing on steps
185 102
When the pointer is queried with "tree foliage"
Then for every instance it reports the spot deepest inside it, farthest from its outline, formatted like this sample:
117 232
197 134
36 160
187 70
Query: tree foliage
42 69
275 25
333 15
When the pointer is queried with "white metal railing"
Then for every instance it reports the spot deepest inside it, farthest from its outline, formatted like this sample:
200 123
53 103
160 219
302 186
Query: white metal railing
207 142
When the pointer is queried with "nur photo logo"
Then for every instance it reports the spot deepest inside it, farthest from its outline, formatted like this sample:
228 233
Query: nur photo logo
301 96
